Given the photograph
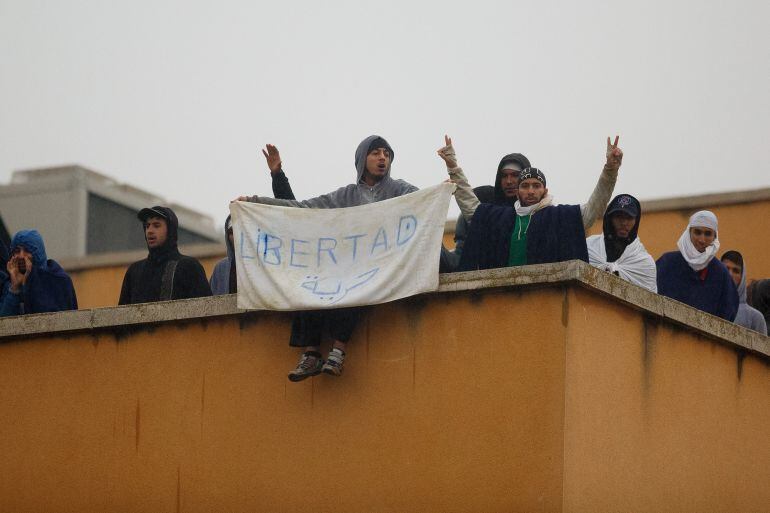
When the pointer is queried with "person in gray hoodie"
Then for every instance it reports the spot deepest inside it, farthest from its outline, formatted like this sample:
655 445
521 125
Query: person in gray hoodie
748 317
373 183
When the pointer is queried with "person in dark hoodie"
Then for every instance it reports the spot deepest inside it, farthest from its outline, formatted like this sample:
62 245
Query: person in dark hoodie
504 192
373 183
618 249
693 276
747 316
533 231
758 297
223 277
4 280
36 283
165 274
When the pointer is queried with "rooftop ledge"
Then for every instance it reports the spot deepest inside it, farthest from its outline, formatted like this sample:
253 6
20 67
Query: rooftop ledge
573 272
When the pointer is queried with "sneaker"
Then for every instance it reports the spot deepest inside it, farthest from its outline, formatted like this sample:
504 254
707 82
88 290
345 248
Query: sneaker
309 365
334 362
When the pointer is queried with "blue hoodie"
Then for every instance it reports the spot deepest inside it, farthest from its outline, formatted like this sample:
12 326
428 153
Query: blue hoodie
48 287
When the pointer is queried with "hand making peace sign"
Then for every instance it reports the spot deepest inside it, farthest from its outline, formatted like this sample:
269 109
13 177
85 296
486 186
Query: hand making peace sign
448 153
614 154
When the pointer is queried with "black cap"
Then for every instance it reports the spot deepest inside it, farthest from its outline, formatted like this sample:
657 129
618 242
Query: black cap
156 211
532 172
624 203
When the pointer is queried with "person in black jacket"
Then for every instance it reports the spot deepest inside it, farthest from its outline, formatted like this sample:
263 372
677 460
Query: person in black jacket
165 274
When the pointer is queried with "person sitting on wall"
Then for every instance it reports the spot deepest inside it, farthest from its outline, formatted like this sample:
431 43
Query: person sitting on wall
165 274
224 277
36 283
504 192
693 276
533 231
618 249
747 317
373 160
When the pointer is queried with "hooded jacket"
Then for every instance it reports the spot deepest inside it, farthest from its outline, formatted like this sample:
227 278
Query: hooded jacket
47 289
759 298
165 274
354 194
747 316
625 257
488 194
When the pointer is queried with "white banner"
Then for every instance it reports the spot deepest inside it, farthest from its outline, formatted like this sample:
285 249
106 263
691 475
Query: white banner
307 259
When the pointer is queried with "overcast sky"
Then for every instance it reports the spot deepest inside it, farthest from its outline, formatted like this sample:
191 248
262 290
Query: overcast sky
177 97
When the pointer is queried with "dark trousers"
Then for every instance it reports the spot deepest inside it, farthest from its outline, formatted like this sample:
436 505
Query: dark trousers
307 327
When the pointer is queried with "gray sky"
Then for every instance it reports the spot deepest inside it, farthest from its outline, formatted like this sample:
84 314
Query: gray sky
178 96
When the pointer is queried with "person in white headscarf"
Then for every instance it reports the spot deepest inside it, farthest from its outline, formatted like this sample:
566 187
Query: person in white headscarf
618 249
693 276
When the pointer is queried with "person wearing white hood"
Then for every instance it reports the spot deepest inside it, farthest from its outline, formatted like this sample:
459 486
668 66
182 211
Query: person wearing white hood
618 249
693 276
748 317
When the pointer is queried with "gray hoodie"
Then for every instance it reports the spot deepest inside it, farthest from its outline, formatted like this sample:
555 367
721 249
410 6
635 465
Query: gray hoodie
352 195
748 316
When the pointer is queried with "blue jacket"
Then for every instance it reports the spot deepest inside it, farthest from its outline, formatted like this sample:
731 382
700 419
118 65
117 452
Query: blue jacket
555 234
716 294
48 287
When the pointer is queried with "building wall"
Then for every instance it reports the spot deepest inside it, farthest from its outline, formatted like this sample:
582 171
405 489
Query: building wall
505 399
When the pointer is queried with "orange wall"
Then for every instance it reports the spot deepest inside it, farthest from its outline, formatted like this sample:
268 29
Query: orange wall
504 400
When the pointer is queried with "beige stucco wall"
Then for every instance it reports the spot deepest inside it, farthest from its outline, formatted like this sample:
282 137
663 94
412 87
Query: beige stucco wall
547 388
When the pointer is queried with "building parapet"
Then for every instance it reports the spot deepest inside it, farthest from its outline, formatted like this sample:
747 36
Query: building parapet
572 272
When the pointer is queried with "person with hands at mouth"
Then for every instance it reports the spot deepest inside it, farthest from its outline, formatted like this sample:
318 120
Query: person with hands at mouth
36 284
533 230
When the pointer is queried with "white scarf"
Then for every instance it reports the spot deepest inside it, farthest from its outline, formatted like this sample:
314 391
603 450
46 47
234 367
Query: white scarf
525 211
695 259
634 265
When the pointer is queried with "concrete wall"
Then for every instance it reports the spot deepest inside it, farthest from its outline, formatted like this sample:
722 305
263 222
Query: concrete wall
498 393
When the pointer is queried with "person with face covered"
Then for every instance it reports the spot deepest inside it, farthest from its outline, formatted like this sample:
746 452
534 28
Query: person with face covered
533 231
373 159
747 316
693 276
165 274
504 192
36 284
618 249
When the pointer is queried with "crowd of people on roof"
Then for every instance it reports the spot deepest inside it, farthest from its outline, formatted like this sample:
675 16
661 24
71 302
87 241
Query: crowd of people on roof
513 223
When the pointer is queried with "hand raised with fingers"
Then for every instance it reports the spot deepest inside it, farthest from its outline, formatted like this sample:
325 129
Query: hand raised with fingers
448 153
614 154
273 158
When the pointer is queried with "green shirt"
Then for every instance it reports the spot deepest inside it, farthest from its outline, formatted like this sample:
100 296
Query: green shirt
518 252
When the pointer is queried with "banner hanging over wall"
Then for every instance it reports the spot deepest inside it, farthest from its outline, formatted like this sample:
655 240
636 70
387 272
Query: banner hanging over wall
305 259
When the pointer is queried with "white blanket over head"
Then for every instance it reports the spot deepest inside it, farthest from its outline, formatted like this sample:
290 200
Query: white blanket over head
301 258
634 265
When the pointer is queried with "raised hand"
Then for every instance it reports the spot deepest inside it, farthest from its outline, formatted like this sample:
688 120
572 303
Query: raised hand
273 158
448 153
18 278
614 154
